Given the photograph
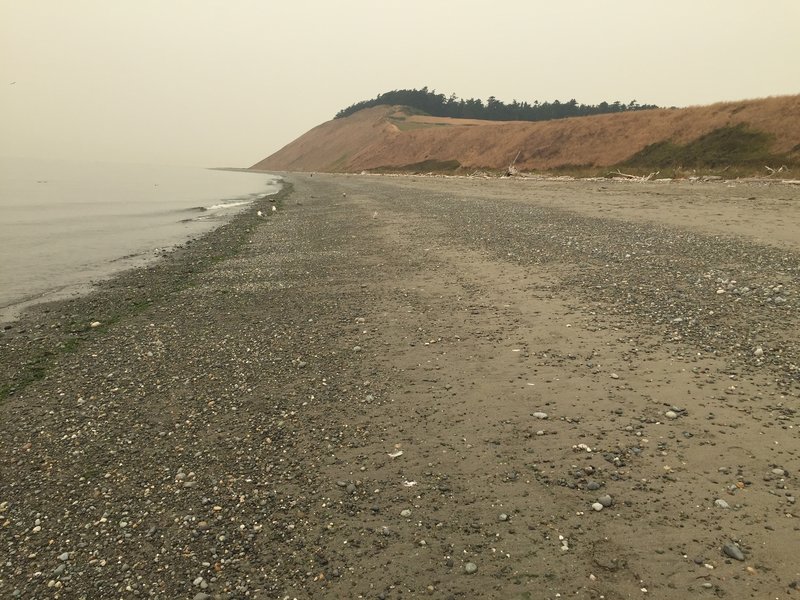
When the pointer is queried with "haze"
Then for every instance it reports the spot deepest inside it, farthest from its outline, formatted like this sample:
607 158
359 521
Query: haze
228 83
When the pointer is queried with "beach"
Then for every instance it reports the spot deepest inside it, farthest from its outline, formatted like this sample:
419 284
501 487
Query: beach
401 387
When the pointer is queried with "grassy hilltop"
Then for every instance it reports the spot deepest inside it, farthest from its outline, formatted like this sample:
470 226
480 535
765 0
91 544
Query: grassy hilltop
747 138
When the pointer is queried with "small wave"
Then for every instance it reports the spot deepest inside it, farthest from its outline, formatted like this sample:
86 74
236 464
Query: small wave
226 205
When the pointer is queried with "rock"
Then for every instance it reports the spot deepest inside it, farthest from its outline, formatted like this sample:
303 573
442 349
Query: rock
593 485
733 551
503 517
720 503
671 414
606 500
470 568
405 513
540 415
202 596
779 472
597 506
758 352
64 556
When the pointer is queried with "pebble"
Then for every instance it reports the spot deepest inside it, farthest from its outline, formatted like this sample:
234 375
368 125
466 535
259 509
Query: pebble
597 506
503 517
64 556
470 568
671 414
606 500
593 485
405 513
779 472
733 551
720 503
540 415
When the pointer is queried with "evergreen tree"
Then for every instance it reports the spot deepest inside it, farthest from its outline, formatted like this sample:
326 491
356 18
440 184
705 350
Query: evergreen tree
438 105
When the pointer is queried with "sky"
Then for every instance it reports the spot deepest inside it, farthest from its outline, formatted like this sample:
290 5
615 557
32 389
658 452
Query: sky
226 83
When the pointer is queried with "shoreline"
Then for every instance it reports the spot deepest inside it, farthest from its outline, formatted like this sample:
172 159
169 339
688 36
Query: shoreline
108 270
66 320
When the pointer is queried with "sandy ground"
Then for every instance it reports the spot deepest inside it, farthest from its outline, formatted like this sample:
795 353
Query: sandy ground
402 387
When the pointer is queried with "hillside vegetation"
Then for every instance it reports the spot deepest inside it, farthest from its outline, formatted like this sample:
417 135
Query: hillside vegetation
439 105
731 139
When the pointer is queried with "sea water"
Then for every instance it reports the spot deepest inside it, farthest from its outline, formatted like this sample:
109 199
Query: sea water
66 224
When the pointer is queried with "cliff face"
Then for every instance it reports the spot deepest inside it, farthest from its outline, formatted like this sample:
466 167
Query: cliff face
391 138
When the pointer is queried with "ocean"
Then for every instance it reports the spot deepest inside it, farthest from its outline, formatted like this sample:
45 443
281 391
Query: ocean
65 225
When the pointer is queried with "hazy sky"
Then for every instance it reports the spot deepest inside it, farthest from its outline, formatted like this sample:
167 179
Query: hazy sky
226 83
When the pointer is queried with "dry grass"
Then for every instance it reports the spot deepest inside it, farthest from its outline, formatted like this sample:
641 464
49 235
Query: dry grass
390 138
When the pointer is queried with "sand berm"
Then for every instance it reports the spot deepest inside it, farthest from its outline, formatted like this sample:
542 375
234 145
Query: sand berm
401 387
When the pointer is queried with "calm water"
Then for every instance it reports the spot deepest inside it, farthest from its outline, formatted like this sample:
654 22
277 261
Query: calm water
64 225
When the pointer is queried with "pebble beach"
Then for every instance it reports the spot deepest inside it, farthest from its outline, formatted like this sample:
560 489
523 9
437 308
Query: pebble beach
402 387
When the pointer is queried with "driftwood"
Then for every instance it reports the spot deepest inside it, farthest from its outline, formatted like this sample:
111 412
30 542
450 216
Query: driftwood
619 173
775 171
511 171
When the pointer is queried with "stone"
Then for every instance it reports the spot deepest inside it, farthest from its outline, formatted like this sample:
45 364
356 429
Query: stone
597 506
470 568
606 500
733 551
540 415
720 503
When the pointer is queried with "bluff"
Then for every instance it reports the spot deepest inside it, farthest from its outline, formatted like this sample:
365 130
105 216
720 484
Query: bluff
747 136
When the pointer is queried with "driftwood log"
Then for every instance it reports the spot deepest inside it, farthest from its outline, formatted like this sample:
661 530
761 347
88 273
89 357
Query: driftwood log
511 171
622 175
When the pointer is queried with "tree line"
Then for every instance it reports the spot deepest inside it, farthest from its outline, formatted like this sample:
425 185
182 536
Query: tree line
439 105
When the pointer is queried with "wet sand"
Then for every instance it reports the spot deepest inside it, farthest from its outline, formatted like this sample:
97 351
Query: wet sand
402 387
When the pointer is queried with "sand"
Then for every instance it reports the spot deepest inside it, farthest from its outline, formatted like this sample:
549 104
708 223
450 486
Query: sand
402 387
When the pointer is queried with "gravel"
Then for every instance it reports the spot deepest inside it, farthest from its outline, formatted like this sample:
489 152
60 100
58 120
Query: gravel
206 428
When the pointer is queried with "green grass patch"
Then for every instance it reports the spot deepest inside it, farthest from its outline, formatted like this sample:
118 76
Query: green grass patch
442 167
736 146
433 166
